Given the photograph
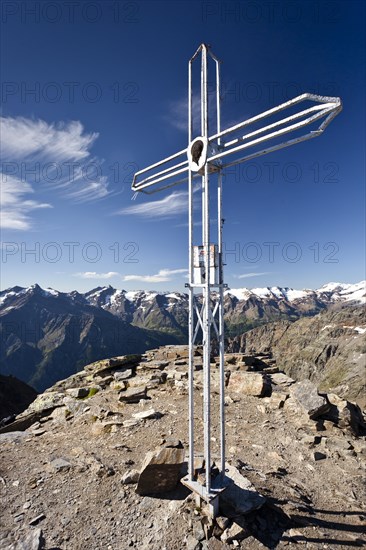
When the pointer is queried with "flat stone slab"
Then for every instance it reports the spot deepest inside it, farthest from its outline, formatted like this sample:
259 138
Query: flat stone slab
122 374
240 497
159 365
46 401
149 413
248 383
281 379
160 471
115 362
133 395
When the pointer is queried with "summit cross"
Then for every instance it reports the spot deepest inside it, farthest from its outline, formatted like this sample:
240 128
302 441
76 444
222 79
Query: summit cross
206 157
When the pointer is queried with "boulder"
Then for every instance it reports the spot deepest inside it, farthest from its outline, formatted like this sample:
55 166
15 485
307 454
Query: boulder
240 497
122 374
161 470
46 401
104 365
133 395
248 383
306 394
31 540
78 393
345 415
235 532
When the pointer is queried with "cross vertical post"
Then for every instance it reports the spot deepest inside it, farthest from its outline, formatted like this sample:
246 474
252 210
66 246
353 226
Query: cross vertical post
212 283
206 156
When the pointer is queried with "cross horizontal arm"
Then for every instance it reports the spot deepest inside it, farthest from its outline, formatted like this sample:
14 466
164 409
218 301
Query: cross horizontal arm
298 99
168 175
272 135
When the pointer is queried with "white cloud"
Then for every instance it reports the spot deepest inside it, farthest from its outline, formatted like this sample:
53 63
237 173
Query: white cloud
15 207
94 275
25 139
162 276
171 205
37 155
248 275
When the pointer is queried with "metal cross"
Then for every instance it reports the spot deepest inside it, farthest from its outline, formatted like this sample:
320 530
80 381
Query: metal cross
205 155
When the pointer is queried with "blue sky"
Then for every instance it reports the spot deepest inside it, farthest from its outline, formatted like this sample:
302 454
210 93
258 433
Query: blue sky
92 91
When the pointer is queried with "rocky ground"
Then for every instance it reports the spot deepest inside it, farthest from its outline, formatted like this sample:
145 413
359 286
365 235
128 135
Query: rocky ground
329 349
74 467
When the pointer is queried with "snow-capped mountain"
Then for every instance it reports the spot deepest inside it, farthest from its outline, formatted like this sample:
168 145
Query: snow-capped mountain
138 306
47 335
331 292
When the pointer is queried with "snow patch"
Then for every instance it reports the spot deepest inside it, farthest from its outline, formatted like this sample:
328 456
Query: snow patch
51 292
150 296
295 294
261 292
10 294
239 293
174 296
131 295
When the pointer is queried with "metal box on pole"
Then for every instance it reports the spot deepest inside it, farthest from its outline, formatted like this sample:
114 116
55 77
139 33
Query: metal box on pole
199 265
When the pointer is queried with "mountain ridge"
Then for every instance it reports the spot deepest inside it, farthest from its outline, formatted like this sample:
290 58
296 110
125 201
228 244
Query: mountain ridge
47 335
332 290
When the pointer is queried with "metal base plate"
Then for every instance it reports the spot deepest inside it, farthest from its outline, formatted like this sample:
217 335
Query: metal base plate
211 497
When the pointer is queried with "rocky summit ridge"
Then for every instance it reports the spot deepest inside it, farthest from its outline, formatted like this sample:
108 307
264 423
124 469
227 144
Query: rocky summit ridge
95 461
329 349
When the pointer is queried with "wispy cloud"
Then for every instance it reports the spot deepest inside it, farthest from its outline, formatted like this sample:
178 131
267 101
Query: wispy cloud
249 275
94 275
178 113
15 206
25 139
171 205
37 156
162 276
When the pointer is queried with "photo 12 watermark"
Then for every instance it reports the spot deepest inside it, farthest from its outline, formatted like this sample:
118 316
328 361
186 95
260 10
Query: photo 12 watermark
269 92
69 251
273 251
273 172
59 173
70 11
35 92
